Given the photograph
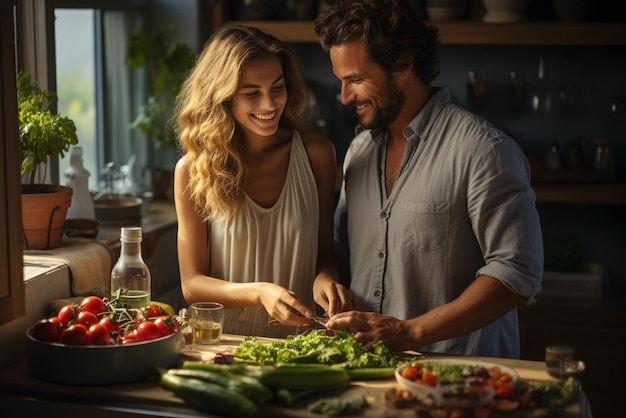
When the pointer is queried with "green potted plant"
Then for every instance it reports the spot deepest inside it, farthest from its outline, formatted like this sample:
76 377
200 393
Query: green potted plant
42 134
167 62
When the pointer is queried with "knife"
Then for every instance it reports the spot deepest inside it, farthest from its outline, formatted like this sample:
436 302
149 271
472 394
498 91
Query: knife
317 319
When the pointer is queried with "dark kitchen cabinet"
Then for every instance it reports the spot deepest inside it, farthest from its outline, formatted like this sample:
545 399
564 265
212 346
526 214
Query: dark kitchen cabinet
596 331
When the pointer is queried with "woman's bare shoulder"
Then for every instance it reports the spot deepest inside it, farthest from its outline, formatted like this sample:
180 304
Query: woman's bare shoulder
317 143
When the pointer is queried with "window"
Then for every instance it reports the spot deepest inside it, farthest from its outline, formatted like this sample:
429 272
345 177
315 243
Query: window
76 81
95 86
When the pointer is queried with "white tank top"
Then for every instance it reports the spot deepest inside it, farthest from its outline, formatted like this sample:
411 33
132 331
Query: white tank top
276 244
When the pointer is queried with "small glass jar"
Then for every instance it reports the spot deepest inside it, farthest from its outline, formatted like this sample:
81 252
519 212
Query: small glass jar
560 362
558 354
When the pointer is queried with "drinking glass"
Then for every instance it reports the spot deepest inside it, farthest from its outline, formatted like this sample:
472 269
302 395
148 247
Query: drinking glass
207 319
560 362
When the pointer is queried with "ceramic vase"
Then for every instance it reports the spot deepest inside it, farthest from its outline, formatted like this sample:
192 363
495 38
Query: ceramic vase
505 11
445 10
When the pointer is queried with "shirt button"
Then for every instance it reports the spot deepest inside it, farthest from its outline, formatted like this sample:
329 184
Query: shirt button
377 293
381 255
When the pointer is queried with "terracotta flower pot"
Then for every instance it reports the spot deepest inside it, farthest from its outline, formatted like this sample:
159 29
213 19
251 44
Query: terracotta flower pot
44 207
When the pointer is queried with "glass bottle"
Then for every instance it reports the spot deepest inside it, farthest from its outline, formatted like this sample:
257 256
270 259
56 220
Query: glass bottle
77 178
130 277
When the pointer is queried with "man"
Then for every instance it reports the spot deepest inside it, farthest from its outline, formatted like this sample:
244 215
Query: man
436 213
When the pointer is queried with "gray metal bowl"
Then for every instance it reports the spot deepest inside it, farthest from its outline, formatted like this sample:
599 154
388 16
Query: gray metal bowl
100 365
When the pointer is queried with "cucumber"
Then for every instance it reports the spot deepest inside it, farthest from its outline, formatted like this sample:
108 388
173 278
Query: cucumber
205 376
372 373
223 368
296 377
212 367
209 397
245 385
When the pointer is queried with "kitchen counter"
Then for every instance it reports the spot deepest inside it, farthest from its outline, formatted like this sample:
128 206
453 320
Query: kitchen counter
21 394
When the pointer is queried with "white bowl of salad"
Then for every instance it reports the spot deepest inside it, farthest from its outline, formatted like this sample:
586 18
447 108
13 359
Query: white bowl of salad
455 382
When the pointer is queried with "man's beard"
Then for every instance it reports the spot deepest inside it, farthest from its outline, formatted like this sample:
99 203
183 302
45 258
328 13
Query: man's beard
391 101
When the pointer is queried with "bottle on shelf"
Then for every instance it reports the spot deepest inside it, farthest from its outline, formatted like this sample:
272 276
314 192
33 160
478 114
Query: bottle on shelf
77 178
130 277
554 159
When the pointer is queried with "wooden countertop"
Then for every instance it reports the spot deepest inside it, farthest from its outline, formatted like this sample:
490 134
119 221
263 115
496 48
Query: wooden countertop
15 381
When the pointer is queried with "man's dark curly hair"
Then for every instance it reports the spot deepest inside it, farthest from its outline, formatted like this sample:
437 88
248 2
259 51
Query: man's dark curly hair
393 35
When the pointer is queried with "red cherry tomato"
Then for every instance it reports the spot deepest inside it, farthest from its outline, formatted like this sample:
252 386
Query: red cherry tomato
57 322
112 326
75 334
67 314
504 390
99 335
93 304
429 378
412 373
128 338
166 325
46 330
87 319
153 311
147 330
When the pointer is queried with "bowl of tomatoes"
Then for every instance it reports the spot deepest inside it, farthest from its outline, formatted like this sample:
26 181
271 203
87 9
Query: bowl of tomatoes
455 383
97 342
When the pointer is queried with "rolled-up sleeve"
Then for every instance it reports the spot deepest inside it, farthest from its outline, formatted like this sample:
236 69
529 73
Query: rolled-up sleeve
501 205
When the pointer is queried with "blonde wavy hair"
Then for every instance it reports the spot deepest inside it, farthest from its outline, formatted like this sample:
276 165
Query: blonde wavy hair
207 133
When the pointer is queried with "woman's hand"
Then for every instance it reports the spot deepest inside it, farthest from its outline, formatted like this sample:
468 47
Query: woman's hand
283 305
333 297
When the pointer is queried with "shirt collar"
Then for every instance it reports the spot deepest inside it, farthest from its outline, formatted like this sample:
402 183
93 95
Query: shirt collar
420 126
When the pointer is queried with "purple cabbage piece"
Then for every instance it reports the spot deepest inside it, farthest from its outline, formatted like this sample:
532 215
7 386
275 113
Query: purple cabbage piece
222 358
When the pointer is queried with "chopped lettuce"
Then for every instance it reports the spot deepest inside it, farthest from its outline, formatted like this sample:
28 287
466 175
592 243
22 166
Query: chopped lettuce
317 347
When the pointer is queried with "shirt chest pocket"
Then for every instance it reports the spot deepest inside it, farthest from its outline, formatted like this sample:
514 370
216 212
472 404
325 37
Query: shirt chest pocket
427 225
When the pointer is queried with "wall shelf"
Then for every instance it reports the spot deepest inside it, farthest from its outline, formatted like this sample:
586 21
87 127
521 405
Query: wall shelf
596 194
478 33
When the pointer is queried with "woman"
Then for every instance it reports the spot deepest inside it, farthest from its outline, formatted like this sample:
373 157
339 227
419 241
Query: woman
254 197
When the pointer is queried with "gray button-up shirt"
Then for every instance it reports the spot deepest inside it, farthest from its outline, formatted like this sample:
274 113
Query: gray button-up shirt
461 206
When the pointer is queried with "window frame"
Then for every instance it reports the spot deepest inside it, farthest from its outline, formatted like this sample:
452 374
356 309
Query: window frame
12 292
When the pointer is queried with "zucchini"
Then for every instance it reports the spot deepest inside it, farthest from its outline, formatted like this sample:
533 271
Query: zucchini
212 367
245 385
253 371
294 377
209 397
372 373
204 375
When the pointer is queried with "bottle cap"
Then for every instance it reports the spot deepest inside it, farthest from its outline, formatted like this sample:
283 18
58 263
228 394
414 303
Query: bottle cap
131 233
